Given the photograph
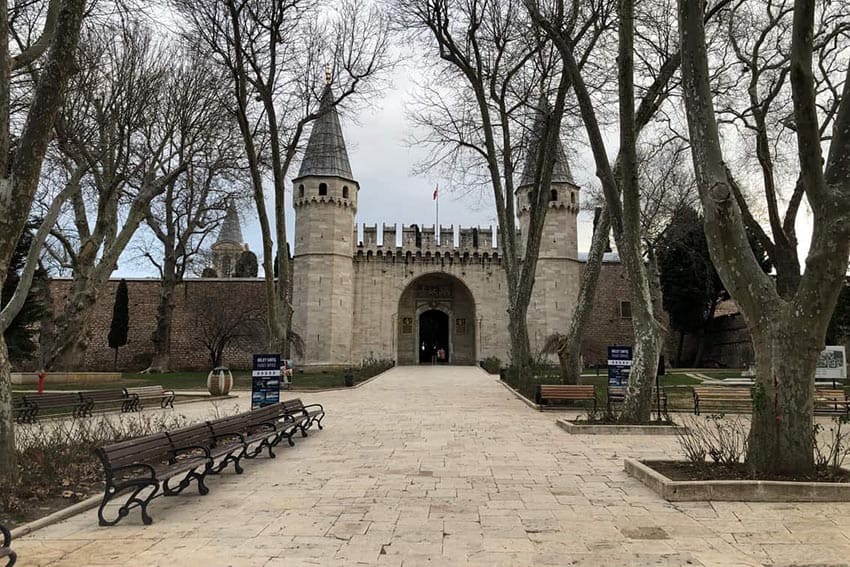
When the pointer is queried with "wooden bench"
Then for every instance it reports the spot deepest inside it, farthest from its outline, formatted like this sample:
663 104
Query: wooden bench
105 398
22 410
553 392
140 465
295 407
253 432
139 394
200 438
5 550
722 399
617 395
830 401
52 400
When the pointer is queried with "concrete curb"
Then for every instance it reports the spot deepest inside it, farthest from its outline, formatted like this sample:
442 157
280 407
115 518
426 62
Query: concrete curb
614 429
56 516
736 490
525 400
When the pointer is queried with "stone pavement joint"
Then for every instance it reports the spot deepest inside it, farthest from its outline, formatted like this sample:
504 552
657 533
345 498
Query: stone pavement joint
443 466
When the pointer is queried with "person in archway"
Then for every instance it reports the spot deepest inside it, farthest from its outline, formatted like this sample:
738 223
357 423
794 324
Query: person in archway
441 355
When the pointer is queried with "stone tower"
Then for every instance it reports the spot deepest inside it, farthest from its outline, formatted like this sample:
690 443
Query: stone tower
557 275
229 245
325 202
560 239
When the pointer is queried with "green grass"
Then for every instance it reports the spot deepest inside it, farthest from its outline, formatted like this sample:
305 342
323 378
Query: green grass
198 381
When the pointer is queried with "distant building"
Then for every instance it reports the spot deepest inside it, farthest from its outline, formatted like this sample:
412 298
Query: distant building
229 245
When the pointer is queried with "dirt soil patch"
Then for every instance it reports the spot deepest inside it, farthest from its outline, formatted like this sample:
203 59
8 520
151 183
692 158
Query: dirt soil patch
685 471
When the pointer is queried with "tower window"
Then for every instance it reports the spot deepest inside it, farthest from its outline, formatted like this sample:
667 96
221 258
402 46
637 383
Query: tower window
626 309
530 197
553 195
573 198
323 189
301 190
345 191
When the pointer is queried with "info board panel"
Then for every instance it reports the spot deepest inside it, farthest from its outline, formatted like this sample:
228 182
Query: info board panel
265 380
619 365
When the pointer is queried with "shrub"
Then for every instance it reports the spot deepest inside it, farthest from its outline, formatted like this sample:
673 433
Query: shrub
491 364
723 440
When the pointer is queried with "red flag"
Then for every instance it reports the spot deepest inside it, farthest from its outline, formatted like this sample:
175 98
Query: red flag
436 189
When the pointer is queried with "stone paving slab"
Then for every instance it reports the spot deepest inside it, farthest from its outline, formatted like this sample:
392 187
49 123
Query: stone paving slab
443 466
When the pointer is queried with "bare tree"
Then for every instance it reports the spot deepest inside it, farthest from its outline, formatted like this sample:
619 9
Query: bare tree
136 125
496 78
787 326
193 205
24 136
658 60
280 56
216 329
755 112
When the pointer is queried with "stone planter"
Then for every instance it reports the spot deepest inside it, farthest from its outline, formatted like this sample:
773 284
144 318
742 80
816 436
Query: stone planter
615 429
736 490
219 381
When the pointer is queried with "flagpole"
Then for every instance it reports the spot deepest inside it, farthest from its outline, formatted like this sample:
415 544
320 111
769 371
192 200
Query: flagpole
437 218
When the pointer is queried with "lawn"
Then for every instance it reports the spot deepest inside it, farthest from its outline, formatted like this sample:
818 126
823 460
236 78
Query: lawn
198 381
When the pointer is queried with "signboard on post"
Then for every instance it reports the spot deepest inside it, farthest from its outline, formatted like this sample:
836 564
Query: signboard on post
265 380
832 364
619 365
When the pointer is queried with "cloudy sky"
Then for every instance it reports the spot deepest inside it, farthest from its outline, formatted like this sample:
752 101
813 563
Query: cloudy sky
383 160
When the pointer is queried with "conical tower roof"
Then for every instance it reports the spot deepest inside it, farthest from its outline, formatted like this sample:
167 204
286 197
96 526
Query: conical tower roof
326 154
561 172
231 229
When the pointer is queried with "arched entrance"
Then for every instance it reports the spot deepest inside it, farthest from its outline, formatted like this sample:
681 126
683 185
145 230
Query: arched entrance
436 311
433 337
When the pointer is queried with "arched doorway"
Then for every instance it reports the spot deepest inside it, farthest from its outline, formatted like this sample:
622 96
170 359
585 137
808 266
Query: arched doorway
436 311
433 337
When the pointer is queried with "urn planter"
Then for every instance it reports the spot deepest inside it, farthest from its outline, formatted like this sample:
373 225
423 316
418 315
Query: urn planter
219 381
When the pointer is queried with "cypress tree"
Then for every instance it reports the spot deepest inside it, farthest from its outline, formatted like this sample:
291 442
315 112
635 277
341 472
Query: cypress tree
120 326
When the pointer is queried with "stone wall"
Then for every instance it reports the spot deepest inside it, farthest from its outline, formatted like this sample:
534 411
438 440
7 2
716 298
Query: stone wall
380 282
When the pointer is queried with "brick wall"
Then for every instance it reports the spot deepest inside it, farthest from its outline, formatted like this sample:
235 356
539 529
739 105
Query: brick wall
190 298
607 326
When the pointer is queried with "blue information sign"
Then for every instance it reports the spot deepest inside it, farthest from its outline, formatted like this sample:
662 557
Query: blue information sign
619 365
265 380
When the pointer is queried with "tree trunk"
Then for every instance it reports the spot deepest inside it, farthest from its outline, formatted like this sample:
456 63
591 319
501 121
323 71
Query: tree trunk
570 349
637 407
520 345
782 436
161 361
700 348
69 342
8 457
680 348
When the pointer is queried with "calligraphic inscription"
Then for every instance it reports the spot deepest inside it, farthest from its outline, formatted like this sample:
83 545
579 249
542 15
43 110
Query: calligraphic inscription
407 326
460 326
433 291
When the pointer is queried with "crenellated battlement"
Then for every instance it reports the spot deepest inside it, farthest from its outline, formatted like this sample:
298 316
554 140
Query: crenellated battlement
413 239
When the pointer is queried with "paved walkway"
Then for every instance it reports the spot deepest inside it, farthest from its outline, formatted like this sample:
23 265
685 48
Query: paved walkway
443 466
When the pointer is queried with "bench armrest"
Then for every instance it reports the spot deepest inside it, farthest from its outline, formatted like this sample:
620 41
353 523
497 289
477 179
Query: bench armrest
7 536
315 406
